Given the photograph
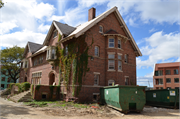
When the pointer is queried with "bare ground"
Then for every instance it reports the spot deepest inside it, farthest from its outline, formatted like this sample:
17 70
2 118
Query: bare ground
11 110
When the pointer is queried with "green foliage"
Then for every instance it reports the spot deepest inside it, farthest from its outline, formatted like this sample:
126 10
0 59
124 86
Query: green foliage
1 4
11 85
37 87
58 91
76 60
25 86
19 87
32 86
10 58
51 91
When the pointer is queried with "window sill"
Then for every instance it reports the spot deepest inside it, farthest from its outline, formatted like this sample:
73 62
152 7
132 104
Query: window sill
120 71
120 49
111 70
96 56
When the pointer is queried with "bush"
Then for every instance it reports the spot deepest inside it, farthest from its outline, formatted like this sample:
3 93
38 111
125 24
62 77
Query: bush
11 85
25 86
19 87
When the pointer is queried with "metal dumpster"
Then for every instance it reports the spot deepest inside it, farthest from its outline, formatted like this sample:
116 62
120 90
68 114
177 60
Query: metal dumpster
124 98
163 98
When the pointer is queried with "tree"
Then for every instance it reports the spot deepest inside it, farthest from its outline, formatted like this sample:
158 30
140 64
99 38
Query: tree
10 58
1 4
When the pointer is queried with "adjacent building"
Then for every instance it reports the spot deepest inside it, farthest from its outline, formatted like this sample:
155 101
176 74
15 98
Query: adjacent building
113 53
166 75
5 80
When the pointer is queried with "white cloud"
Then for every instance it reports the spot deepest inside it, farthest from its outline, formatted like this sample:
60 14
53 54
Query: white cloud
7 26
41 10
21 38
152 30
160 48
26 13
158 11
61 6
43 28
146 80
89 3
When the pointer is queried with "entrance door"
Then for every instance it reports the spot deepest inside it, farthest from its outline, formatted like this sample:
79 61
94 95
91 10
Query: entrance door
25 79
51 79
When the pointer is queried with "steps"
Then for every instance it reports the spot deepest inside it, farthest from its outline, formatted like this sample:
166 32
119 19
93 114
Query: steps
22 97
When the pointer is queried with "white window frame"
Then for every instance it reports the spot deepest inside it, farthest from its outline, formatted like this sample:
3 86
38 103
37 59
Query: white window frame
120 44
24 63
96 53
109 63
100 29
119 60
49 53
96 76
126 58
111 42
111 57
111 82
126 80
55 31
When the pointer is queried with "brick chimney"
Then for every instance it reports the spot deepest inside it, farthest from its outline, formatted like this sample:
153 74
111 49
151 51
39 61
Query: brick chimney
91 13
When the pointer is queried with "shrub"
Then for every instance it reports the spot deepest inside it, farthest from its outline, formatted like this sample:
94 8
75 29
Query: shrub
19 87
11 85
25 86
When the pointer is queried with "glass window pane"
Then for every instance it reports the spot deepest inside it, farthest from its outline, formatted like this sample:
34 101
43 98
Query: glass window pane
111 64
119 65
111 56
119 57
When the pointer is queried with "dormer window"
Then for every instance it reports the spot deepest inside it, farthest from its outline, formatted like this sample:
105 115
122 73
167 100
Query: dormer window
25 63
100 29
55 33
51 53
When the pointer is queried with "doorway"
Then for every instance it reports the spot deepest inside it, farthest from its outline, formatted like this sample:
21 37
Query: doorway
51 79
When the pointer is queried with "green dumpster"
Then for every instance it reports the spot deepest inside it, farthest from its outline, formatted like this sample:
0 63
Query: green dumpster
163 98
124 98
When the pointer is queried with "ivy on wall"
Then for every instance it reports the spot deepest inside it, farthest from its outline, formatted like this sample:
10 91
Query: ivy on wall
74 61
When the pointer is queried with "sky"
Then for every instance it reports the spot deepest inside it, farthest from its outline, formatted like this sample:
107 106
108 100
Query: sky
154 25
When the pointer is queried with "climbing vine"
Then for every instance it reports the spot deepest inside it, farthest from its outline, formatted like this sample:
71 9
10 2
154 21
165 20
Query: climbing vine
73 58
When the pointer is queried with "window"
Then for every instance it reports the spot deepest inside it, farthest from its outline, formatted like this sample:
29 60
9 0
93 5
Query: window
177 88
25 63
160 81
96 96
3 78
127 81
2 85
100 29
126 58
176 71
51 53
119 62
111 56
119 43
168 80
66 50
4 72
111 64
96 51
168 72
159 73
176 80
111 43
96 79
36 78
168 88
111 82
9 79
55 34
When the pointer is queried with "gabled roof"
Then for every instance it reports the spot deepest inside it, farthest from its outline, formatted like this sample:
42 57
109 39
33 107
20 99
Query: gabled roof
32 47
63 29
81 29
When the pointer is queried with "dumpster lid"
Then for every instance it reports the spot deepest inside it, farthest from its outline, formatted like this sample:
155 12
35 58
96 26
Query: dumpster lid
124 86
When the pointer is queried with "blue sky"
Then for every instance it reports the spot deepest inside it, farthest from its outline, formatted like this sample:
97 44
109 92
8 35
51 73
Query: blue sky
154 24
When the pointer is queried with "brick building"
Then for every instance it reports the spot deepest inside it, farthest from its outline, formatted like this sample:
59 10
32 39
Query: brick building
166 75
113 52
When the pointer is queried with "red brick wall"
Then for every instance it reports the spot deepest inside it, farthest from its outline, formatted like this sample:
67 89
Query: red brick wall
99 64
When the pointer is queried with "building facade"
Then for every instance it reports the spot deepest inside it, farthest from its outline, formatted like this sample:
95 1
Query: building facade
5 80
166 75
113 53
